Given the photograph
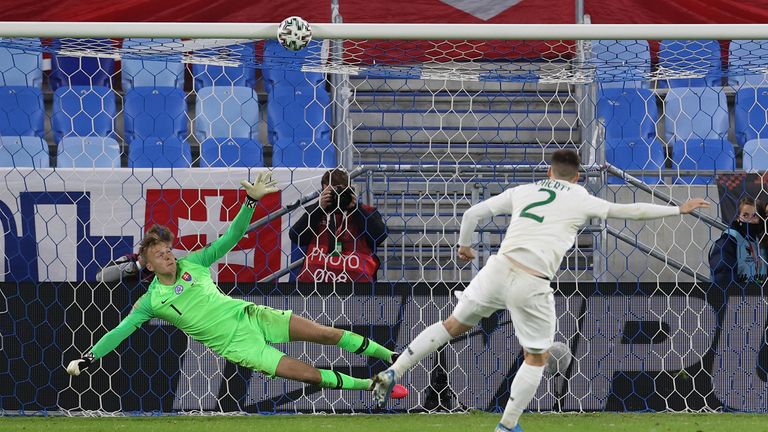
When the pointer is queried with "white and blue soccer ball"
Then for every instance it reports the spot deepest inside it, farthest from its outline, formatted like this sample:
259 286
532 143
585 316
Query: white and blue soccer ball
294 33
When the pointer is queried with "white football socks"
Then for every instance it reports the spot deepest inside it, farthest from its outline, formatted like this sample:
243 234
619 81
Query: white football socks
521 392
428 341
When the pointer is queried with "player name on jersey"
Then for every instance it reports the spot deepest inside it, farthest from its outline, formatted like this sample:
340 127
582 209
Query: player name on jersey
553 184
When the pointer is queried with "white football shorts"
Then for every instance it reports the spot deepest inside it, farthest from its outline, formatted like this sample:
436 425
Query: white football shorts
529 299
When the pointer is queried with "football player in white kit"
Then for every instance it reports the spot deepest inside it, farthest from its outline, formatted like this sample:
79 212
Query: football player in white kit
546 217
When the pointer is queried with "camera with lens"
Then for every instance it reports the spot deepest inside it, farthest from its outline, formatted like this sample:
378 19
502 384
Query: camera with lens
342 197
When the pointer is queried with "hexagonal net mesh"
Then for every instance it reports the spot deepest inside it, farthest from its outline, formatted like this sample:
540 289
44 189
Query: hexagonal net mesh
102 138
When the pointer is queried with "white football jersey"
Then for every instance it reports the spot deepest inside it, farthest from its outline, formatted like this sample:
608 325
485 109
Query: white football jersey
546 217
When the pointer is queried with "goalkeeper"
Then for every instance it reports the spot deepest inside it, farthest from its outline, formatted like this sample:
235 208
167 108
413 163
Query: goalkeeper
183 293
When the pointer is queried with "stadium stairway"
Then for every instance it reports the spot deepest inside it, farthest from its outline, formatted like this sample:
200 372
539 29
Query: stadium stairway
444 123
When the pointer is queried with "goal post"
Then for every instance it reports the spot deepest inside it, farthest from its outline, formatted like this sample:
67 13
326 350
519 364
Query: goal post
107 128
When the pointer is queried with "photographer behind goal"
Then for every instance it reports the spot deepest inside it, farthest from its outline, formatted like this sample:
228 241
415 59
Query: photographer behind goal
338 235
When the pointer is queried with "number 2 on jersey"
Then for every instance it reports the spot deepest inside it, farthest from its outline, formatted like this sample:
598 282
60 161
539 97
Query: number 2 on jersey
525 213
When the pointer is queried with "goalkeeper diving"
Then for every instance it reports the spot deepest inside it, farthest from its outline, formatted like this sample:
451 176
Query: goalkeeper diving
184 294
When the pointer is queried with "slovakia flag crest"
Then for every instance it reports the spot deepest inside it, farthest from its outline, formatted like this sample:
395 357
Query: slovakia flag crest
187 277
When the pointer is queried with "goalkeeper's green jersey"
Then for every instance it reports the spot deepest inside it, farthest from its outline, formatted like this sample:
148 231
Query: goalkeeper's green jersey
193 303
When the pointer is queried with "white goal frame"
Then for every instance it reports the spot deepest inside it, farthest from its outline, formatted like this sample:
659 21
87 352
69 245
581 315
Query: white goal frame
365 31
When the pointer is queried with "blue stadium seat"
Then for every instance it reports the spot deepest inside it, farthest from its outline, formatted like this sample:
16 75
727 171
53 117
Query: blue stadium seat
21 67
155 112
747 62
242 76
618 63
88 152
755 155
695 113
700 57
628 113
81 71
635 154
750 111
23 152
144 70
226 112
22 112
231 152
303 153
298 114
282 66
83 111
702 154
153 152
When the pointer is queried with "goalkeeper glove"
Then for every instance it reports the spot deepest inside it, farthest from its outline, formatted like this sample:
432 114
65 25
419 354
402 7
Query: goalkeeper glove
263 185
75 367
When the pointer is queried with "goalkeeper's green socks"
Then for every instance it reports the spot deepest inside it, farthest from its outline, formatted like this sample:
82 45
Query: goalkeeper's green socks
357 344
337 380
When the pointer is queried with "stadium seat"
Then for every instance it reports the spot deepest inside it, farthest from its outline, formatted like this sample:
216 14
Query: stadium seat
298 114
226 112
698 57
83 111
22 112
618 63
211 75
628 113
154 152
231 152
750 111
745 57
635 154
695 113
282 66
81 71
23 152
21 67
88 152
702 154
755 155
143 70
303 153
155 112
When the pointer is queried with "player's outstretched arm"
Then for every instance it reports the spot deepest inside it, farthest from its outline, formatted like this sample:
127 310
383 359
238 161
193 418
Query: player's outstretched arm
644 211
141 313
499 204
264 185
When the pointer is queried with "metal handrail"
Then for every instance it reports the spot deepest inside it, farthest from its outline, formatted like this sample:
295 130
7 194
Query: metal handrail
589 170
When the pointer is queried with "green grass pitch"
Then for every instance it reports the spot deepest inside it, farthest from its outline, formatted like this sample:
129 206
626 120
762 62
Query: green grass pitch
598 422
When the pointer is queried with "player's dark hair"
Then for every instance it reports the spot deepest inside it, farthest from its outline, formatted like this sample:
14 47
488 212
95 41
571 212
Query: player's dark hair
157 234
335 177
565 164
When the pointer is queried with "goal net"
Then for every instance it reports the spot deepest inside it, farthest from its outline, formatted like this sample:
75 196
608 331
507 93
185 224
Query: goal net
104 136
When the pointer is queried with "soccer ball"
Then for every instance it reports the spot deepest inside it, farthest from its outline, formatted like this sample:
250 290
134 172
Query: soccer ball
294 33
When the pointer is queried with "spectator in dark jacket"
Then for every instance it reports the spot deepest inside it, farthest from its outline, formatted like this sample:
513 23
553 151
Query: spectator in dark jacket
738 256
339 235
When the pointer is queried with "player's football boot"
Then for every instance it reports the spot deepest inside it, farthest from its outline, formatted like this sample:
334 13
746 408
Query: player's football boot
501 428
383 384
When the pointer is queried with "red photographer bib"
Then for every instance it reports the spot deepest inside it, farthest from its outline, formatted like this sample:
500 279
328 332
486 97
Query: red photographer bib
339 256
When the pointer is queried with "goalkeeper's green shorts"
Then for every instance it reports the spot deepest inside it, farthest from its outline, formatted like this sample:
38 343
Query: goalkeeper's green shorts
260 326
